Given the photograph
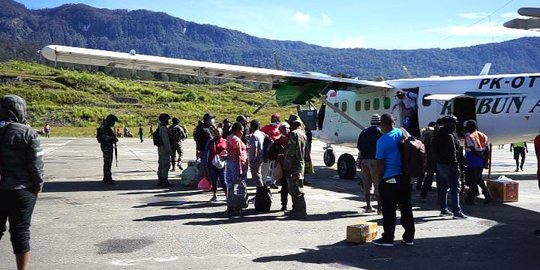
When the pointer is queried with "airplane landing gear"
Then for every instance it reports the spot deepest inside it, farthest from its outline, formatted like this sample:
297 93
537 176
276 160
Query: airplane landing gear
329 157
346 166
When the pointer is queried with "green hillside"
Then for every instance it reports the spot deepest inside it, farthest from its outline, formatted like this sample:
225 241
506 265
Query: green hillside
68 98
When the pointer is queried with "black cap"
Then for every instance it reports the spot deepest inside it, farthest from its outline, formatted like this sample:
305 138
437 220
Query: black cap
176 121
208 116
164 117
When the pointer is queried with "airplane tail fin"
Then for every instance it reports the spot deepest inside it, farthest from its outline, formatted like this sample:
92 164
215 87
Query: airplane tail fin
485 70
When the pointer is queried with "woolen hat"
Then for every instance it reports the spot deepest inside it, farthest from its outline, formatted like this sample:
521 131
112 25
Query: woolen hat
375 119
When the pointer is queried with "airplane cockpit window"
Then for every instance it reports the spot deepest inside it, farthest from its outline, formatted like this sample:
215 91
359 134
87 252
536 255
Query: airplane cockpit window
344 106
367 105
376 104
386 103
358 105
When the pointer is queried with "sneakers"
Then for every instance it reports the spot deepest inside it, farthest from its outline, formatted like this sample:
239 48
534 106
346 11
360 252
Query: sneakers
382 242
283 208
408 243
459 215
214 199
445 213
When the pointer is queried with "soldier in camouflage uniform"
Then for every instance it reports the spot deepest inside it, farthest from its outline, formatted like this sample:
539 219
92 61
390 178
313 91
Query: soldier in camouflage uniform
177 134
107 140
164 151
294 165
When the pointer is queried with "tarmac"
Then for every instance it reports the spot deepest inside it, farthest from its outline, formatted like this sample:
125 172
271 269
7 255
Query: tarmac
79 223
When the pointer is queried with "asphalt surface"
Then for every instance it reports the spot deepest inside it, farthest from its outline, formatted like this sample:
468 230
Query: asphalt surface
79 223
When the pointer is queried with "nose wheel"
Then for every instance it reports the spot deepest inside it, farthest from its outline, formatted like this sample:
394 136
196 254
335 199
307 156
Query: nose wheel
329 157
346 166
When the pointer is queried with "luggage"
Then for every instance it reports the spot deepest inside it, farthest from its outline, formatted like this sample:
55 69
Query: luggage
413 156
237 197
263 199
190 174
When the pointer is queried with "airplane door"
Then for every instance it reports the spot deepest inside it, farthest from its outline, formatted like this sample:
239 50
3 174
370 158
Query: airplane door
464 108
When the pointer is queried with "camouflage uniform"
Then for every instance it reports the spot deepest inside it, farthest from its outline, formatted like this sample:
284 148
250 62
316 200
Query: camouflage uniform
176 143
164 154
107 140
294 165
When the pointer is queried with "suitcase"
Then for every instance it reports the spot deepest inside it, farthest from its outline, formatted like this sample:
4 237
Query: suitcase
263 199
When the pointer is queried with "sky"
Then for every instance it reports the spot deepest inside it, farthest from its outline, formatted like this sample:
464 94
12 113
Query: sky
381 24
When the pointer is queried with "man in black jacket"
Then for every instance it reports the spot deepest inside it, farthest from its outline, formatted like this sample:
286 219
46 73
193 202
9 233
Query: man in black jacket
107 140
21 179
447 154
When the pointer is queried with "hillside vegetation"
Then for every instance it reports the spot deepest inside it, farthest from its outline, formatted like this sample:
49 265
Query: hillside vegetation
24 31
69 98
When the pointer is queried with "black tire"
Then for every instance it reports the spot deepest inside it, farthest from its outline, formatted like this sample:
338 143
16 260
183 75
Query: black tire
346 166
329 158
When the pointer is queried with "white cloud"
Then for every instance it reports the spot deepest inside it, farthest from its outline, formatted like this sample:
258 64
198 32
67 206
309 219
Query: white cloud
483 30
351 43
301 18
474 15
326 20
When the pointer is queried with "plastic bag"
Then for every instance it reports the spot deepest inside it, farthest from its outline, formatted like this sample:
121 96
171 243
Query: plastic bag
204 185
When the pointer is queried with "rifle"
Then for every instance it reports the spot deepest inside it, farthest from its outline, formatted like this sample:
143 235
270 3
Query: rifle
116 154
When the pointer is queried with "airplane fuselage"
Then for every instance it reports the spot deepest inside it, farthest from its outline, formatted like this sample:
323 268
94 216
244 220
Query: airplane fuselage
506 107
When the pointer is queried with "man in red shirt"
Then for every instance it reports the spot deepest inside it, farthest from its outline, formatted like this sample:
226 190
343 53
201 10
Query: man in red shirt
272 130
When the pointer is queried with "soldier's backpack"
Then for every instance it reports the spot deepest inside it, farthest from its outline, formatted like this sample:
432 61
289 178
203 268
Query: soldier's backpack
263 199
413 156
99 134
175 133
157 138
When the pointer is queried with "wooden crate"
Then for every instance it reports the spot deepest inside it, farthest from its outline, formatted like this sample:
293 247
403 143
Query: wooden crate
504 191
362 232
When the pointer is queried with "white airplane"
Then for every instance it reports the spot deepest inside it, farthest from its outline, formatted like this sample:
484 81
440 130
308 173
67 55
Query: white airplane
506 107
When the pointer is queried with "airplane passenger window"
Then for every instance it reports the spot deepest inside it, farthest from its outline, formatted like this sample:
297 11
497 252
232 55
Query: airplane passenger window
386 103
367 105
426 102
336 105
343 106
376 104
358 105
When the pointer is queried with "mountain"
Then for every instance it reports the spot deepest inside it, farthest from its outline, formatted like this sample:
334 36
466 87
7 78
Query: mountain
23 31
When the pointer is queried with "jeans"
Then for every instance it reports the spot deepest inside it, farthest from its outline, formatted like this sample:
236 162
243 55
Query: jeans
215 174
17 206
449 175
397 194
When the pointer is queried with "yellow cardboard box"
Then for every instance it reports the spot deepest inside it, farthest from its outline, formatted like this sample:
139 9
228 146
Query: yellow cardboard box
362 232
504 191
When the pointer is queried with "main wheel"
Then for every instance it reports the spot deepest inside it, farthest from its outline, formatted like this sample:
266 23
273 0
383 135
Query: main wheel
329 157
346 166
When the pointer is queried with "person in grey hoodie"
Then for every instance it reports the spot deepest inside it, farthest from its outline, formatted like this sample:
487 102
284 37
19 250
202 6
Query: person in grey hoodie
21 175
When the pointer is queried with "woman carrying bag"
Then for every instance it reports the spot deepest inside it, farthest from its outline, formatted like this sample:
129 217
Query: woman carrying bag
214 160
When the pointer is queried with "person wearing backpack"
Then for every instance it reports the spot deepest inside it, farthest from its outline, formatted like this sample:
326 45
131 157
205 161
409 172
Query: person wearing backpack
107 140
476 160
177 134
294 166
395 187
21 176
162 141
447 152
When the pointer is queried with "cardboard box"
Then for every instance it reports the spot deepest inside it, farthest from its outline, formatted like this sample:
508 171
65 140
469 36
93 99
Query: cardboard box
362 232
504 191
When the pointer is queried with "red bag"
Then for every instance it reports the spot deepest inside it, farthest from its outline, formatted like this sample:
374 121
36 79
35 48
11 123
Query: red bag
204 184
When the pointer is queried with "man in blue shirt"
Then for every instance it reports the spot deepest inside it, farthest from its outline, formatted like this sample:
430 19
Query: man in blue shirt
395 188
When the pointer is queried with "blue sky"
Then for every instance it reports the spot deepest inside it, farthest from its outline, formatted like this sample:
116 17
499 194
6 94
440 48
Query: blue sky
382 24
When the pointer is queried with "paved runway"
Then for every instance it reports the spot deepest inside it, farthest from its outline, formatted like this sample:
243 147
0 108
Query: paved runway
81 224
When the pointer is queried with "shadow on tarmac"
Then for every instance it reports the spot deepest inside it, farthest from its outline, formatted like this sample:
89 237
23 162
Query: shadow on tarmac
140 184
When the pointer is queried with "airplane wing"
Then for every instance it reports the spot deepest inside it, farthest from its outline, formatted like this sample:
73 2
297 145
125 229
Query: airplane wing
291 87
